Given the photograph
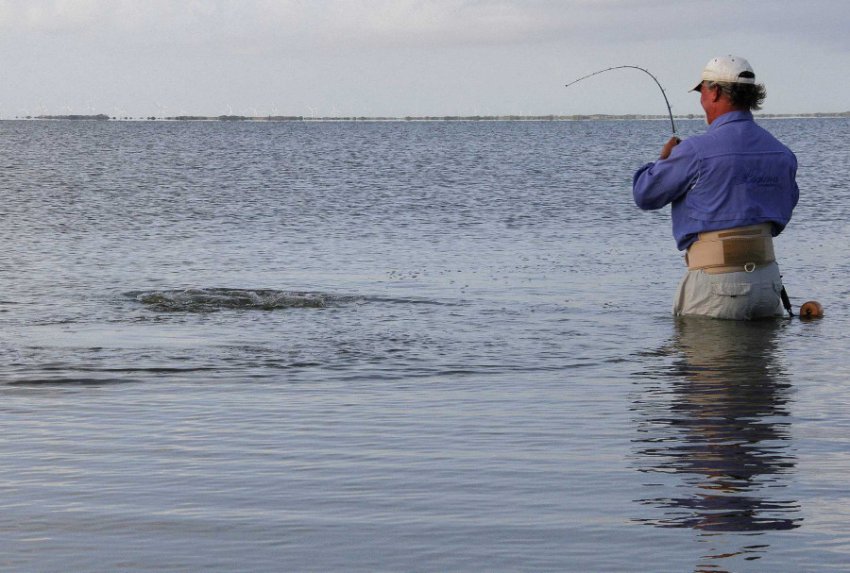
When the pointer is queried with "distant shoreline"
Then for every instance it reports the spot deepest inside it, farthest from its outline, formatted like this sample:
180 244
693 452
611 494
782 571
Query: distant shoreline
282 118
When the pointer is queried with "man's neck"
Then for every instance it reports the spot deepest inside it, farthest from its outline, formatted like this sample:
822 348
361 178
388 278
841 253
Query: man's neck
721 108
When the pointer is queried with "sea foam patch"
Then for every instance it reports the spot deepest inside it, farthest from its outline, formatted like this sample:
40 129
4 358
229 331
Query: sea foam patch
213 299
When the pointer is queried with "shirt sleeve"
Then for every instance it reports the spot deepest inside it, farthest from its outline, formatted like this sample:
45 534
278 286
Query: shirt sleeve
661 182
795 189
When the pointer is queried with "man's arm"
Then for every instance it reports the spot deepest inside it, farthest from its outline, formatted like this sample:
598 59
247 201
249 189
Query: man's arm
661 182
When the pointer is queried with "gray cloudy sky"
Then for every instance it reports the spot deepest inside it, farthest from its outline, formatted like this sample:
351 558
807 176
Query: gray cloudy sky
409 57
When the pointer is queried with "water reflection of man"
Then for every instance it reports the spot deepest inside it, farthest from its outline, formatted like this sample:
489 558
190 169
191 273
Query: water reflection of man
719 428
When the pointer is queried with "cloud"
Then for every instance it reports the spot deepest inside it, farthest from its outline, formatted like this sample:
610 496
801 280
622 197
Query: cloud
258 25
310 23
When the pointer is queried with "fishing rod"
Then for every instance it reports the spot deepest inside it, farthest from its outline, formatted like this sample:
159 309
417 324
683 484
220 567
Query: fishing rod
663 93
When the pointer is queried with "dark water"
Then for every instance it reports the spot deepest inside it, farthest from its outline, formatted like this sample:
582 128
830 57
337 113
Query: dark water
402 347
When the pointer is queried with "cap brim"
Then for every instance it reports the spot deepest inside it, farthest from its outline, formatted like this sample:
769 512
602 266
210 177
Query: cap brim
697 88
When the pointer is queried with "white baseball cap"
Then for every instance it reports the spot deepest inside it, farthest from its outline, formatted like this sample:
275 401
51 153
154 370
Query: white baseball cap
731 69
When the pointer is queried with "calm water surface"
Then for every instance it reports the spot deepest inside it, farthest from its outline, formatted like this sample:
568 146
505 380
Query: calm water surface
402 347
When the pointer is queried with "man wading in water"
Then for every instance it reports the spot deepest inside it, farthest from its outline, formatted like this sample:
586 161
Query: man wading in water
732 189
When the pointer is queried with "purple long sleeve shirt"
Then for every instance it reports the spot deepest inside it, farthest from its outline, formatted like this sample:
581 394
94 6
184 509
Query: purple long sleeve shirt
734 175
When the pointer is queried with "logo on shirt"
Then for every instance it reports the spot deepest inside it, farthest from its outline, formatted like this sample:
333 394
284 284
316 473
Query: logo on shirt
761 180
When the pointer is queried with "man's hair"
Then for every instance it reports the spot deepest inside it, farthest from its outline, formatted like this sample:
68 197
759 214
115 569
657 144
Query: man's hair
747 96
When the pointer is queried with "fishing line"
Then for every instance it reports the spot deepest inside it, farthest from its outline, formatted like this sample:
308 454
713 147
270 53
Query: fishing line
663 93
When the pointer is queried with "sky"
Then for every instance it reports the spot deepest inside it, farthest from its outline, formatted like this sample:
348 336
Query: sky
320 58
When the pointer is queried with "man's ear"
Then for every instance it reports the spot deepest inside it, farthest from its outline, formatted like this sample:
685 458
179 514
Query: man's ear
715 93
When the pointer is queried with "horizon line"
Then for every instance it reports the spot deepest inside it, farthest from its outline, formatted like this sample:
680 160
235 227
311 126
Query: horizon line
449 117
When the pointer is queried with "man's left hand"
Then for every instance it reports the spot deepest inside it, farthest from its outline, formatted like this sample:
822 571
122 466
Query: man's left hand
668 147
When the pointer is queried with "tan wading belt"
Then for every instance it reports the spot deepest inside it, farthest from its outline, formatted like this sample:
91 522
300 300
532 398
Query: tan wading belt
732 250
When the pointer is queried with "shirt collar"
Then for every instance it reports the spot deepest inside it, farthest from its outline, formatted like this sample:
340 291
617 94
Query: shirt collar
730 117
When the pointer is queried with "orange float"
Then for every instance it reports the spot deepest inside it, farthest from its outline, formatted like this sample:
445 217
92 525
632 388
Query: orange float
811 309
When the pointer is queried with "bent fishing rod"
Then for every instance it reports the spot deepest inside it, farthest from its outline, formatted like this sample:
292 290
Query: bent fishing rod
663 93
